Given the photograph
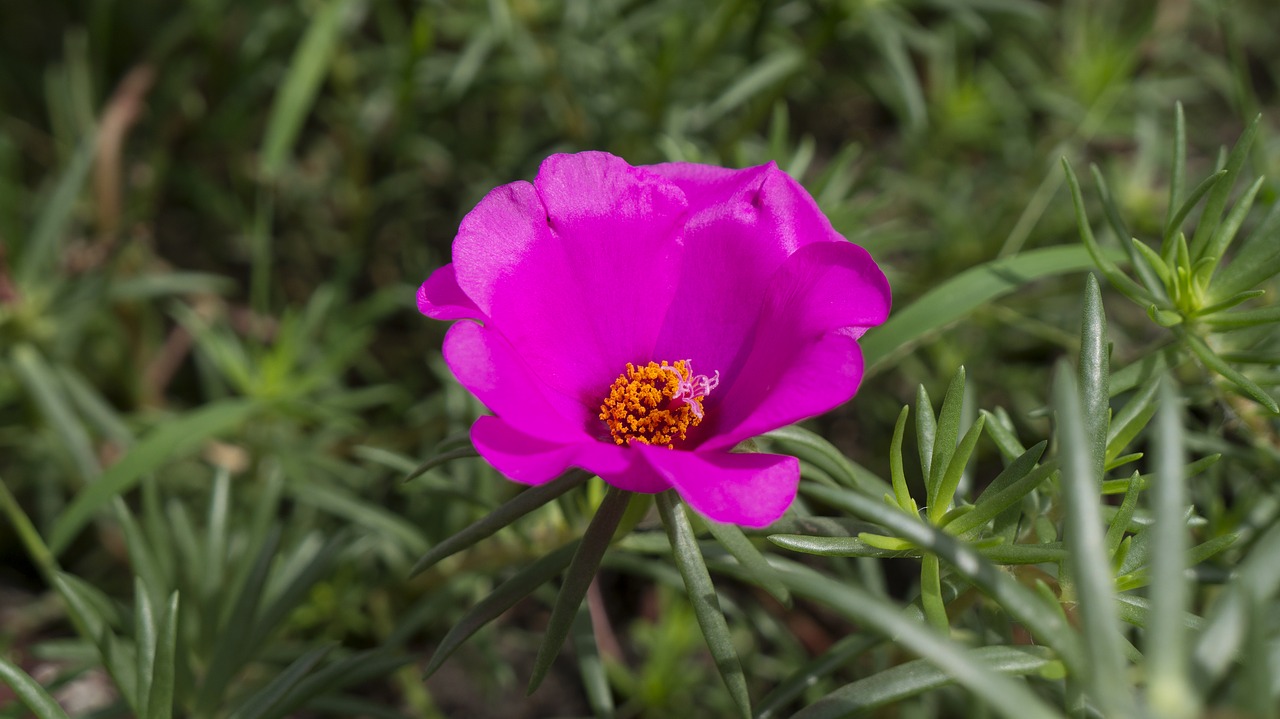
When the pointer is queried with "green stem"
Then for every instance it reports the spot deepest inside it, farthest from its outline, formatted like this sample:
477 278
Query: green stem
27 533
935 610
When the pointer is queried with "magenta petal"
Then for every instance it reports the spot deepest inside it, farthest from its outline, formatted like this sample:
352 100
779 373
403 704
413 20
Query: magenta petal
743 224
752 490
763 198
577 270
804 358
526 459
440 298
486 364
533 460
829 286
807 381
597 264
619 466
637 476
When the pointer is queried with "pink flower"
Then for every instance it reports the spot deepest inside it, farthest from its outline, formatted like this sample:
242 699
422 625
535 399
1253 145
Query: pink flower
641 322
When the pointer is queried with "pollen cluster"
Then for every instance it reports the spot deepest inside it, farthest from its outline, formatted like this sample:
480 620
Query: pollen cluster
655 404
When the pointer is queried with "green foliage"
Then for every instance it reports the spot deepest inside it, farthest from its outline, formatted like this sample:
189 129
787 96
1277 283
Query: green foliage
216 400
1188 285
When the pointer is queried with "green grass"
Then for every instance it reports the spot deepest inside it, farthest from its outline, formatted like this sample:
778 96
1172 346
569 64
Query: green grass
213 382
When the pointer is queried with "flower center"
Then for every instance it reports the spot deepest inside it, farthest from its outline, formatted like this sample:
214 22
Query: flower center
657 403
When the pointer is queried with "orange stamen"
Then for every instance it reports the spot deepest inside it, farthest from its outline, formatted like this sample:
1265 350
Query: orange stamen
655 404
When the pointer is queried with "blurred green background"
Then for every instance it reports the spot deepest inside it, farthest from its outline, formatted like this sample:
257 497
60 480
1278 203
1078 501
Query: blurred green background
214 216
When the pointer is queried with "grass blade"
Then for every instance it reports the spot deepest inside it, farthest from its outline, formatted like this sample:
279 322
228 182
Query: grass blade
145 642
265 699
815 449
1021 603
1226 625
916 677
176 438
1168 687
732 538
1257 260
215 540
955 469
1002 432
1244 319
1211 216
827 546
29 692
967 291
159 695
590 667
93 612
1211 360
1131 419
1095 373
702 595
229 650
906 79
515 508
359 513
931 601
21 525
1090 565
1143 265
1227 231
896 474
1006 696
1009 487
1167 249
147 569
272 616
96 618
301 83
440 459
1178 176
1120 522
93 407
926 434
1100 258
1230 302
335 676
840 654
586 560
49 396
1160 274
500 600
944 442
56 216
754 81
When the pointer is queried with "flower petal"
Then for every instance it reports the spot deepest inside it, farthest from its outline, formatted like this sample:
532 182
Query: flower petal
752 490
533 460
440 298
743 225
824 287
637 476
804 359
576 270
785 387
521 457
487 365
764 197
